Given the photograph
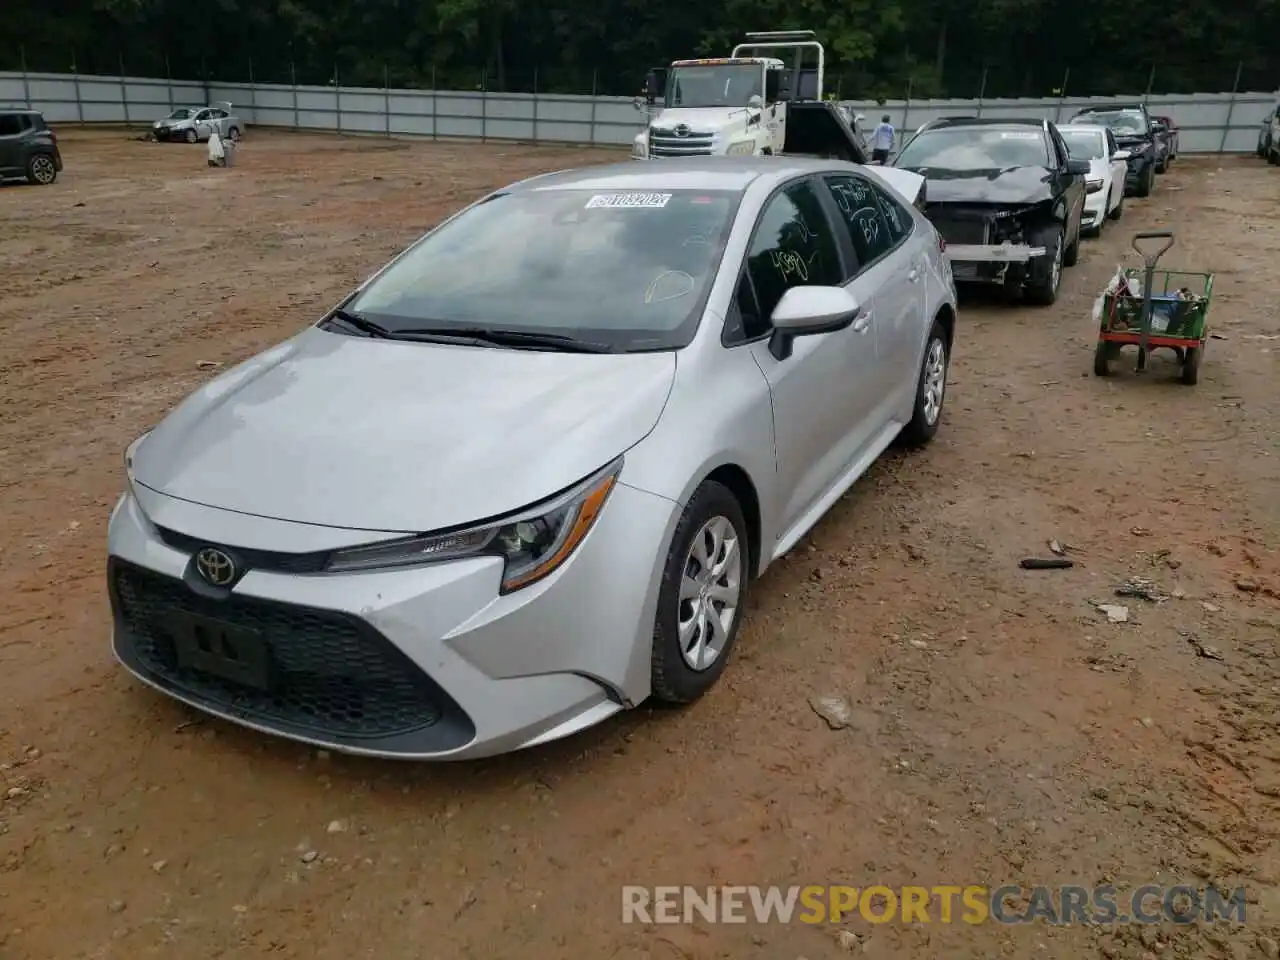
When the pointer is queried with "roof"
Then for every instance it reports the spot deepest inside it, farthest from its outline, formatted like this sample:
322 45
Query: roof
678 173
986 122
31 110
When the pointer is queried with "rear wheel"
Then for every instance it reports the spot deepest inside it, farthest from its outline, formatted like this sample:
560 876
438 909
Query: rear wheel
41 169
1102 355
931 388
1045 273
1118 212
190 136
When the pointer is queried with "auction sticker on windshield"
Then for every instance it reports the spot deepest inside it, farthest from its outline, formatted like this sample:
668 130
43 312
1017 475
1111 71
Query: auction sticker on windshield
623 200
1019 135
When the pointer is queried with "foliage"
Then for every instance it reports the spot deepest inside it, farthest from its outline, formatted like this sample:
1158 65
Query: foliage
937 47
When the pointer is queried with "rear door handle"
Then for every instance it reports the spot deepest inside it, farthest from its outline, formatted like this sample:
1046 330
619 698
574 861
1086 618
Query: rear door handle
862 323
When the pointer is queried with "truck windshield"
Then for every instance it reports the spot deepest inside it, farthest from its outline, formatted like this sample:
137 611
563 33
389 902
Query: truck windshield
975 148
726 85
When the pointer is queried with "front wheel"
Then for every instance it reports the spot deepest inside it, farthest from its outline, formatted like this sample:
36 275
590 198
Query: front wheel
1045 273
700 599
1118 210
1191 366
1148 181
931 389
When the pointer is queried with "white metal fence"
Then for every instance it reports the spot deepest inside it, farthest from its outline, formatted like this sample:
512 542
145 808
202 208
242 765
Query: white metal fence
1208 122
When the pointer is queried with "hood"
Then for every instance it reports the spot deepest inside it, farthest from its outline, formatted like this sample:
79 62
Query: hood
700 119
904 181
381 435
1011 186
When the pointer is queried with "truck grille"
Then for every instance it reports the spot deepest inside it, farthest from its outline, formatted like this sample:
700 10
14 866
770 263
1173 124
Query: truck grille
666 143
334 675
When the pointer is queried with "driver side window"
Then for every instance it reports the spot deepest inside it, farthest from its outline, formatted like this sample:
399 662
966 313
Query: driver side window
793 246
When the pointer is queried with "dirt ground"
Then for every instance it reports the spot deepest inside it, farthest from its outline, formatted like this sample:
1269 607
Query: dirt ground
1003 730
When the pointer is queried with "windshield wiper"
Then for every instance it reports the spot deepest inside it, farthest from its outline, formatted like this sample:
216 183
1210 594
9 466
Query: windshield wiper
503 338
360 323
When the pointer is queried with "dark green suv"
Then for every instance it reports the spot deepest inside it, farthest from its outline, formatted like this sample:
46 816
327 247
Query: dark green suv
28 148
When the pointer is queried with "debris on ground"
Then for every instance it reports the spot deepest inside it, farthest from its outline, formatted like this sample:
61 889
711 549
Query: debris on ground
1057 548
1046 563
1142 589
1115 612
1204 650
833 709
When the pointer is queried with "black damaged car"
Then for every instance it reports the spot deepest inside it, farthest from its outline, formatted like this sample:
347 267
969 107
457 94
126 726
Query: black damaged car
1006 197
1136 133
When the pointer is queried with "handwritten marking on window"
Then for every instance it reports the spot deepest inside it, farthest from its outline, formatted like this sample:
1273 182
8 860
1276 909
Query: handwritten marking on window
790 265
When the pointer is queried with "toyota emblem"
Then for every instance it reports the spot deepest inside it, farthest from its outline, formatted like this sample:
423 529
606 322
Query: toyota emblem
681 130
217 569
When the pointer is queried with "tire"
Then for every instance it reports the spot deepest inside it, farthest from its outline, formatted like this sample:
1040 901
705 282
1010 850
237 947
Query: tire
673 678
1148 182
1102 359
1273 156
1071 255
41 169
234 134
1045 279
1191 366
931 390
1118 212
190 136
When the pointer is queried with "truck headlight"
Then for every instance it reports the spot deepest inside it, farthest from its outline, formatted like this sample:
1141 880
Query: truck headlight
1093 186
741 148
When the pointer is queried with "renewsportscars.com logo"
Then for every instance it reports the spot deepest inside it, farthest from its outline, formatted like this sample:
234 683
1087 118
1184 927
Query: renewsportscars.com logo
973 904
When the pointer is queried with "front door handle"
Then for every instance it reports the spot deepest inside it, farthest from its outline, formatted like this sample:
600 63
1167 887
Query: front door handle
862 323
914 275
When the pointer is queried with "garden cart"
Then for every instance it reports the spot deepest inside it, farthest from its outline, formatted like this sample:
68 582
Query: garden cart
1149 308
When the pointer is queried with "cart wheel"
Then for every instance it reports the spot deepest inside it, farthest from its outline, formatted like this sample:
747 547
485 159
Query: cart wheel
1191 367
1102 359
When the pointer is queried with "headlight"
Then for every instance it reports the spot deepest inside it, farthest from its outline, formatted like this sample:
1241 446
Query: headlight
638 151
533 544
1093 186
741 148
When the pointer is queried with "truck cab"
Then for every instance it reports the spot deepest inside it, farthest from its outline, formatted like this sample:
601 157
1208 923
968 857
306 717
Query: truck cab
751 103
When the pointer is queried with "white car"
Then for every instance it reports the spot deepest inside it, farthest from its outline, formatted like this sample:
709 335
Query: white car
524 477
1104 187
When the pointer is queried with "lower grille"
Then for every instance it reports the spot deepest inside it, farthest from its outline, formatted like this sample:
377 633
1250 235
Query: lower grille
959 231
331 674
664 143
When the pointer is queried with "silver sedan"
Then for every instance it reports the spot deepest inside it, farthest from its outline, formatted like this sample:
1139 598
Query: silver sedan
524 476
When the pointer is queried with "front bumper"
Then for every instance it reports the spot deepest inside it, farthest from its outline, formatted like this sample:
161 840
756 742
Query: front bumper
426 663
57 159
1095 209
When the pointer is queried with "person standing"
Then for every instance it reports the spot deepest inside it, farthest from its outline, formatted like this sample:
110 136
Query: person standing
882 141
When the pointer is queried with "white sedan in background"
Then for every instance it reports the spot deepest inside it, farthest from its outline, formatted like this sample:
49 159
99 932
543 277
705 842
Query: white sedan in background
1104 187
524 477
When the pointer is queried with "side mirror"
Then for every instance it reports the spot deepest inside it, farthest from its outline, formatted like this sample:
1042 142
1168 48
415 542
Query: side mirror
805 311
1158 127
1121 155
1078 168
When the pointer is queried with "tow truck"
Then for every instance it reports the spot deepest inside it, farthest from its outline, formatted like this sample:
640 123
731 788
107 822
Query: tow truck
750 103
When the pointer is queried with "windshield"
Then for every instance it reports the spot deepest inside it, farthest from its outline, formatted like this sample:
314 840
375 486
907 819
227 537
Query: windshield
1123 123
182 113
726 85
630 269
975 148
1085 144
